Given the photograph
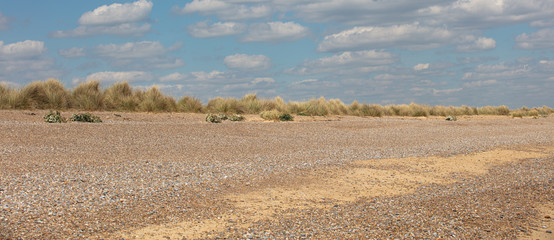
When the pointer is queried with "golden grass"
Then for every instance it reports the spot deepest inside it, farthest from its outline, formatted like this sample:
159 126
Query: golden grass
120 96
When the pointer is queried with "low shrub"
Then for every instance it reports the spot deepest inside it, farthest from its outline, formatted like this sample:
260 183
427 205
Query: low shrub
213 118
54 117
85 117
235 118
285 117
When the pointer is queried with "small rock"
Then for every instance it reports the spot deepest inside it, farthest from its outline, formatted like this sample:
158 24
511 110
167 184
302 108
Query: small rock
548 231
547 216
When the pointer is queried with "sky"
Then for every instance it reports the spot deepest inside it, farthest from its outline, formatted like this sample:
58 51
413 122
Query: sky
436 52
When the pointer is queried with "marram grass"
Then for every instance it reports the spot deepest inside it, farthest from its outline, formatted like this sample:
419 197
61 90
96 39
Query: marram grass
89 96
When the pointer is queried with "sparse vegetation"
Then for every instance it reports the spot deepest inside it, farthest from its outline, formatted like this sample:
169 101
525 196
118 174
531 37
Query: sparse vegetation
89 96
54 117
85 117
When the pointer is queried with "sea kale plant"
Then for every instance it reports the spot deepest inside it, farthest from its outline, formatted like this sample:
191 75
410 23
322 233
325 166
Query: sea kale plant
85 117
54 117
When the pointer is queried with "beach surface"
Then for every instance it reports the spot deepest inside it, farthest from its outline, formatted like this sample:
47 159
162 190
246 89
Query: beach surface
175 176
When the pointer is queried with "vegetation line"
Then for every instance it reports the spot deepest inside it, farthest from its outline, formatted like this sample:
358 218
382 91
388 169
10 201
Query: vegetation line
51 94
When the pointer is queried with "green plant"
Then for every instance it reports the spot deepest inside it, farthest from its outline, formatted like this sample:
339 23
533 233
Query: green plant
54 117
85 117
235 118
213 118
286 117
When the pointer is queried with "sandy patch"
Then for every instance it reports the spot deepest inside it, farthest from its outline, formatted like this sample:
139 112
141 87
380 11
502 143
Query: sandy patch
369 178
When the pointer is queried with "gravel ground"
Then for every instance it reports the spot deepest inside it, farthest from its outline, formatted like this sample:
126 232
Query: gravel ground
79 180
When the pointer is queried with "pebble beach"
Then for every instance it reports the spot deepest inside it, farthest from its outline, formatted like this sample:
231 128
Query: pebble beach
133 171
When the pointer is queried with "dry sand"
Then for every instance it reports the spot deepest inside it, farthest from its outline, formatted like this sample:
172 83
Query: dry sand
173 176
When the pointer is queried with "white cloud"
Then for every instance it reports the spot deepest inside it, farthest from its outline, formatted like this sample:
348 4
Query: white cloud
263 80
421 66
219 29
487 13
480 83
24 61
208 77
122 30
275 32
141 49
4 22
24 49
245 62
356 61
117 13
540 39
353 11
439 92
225 10
140 55
479 44
74 52
115 19
174 77
410 36
112 77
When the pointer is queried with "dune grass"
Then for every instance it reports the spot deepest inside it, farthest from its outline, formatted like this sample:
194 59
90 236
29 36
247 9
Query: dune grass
89 96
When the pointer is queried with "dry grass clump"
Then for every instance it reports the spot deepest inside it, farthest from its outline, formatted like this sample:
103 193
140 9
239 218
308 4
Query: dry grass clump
154 101
272 115
225 105
10 98
189 105
120 97
88 96
50 94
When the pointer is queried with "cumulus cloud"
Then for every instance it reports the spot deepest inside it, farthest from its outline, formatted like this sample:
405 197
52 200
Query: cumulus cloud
20 50
122 30
361 61
4 22
112 77
410 36
479 44
25 61
541 39
139 55
116 19
487 13
226 10
275 32
480 83
74 52
245 62
117 13
174 77
421 66
219 29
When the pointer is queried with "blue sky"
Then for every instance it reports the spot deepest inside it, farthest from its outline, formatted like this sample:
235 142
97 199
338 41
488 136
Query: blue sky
438 52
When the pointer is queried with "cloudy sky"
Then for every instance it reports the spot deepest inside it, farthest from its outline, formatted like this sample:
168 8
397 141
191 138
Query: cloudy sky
447 52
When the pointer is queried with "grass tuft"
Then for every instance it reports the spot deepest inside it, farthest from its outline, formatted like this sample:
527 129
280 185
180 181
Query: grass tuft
120 97
189 105
88 96
154 101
